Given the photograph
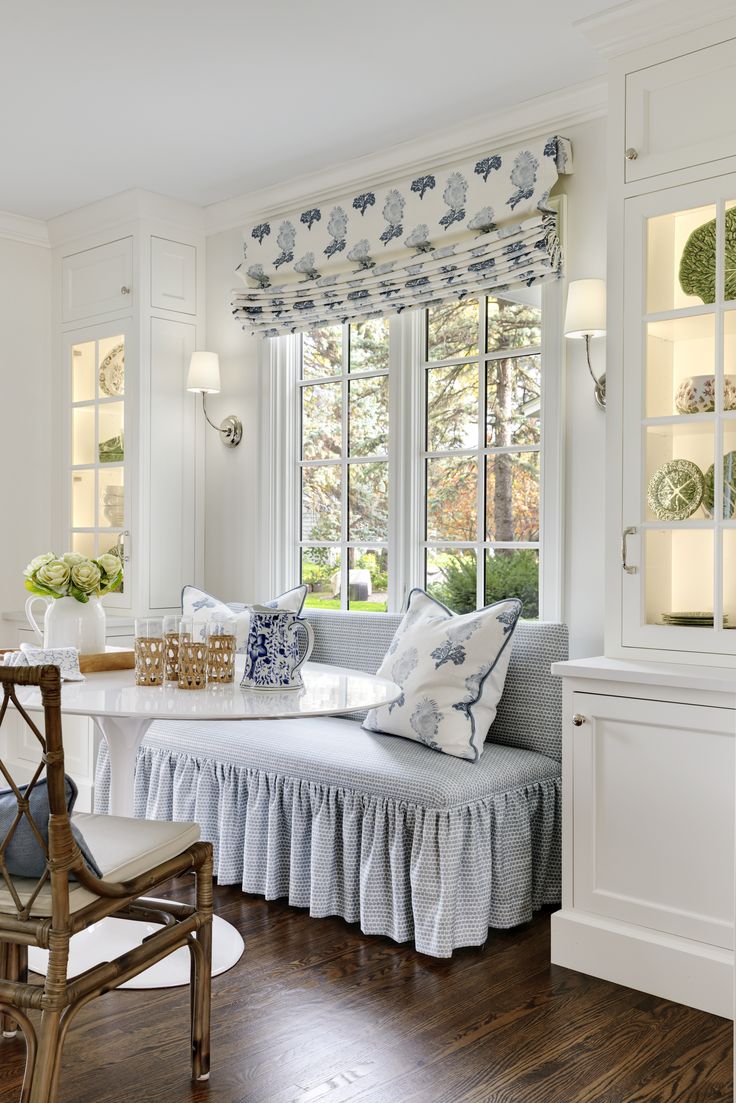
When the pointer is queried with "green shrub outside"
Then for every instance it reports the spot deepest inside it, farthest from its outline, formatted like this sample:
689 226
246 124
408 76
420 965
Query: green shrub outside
514 575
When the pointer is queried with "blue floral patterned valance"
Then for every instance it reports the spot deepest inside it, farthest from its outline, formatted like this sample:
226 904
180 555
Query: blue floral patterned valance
482 225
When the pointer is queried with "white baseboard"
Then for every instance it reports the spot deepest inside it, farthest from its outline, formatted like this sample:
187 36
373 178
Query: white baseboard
678 969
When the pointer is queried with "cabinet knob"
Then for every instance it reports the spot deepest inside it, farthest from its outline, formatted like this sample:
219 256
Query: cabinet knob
631 154
124 290
578 720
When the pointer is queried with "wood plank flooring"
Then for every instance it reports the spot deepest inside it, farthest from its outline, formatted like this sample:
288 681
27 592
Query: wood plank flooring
317 1013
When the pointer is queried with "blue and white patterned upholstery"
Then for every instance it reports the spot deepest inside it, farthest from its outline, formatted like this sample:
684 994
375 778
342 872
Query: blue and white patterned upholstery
377 829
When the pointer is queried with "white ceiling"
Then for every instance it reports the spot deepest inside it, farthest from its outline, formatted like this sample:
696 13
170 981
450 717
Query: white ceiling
207 100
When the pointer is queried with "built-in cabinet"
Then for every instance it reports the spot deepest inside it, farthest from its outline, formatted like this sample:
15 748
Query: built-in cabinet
130 451
98 282
679 113
677 575
649 730
648 828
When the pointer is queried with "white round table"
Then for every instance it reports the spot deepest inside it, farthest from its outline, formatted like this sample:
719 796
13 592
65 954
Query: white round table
123 712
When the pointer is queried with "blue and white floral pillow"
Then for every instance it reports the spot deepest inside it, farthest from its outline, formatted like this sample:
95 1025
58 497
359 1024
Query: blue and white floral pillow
451 670
202 606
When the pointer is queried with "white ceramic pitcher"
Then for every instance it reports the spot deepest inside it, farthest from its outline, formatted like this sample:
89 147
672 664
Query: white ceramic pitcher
70 623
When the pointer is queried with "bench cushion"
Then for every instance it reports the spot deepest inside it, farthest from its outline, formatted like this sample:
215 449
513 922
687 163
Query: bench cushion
374 828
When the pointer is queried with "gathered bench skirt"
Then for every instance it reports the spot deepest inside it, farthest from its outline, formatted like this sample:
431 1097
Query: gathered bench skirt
382 831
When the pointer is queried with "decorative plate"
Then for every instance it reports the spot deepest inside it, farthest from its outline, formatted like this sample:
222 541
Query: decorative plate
112 373
698 261
729 487
676 490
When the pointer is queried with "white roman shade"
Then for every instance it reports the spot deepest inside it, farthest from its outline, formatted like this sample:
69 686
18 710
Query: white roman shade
481 225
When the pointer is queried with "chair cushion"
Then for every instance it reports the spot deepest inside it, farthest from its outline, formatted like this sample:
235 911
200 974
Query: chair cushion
451 670
338 753
124 848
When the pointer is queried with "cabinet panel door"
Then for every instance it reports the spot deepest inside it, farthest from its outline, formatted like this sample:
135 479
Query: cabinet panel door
173 276
98 281
654 813
680 113
172 467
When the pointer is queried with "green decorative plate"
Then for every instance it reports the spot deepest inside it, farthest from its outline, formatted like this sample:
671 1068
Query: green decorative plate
698 261
676 490
729 487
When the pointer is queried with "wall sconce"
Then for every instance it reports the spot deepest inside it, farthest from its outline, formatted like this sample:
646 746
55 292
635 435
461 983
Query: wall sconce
204 378
585 317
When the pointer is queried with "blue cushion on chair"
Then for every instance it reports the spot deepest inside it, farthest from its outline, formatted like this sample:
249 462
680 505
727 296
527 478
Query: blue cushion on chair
24 856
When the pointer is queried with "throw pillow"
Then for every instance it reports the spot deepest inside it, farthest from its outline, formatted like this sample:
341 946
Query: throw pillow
451 670
202 606
24 856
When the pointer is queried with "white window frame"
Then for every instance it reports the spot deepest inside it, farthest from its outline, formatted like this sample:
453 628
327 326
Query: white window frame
279 513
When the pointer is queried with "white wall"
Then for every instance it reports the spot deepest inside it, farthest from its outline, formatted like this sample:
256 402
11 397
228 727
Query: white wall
585 423
231 477
231 473
25 416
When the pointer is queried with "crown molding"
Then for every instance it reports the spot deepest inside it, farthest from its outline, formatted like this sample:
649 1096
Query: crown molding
118 211
557 110
17 227
639 23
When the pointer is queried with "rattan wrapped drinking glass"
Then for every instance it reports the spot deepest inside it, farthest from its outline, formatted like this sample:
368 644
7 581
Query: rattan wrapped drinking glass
192 655
172 627
221 650
149 652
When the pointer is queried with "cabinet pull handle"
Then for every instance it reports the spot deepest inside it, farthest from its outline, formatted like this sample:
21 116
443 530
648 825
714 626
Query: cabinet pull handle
631 154
124 290
120 547
578 720
630 531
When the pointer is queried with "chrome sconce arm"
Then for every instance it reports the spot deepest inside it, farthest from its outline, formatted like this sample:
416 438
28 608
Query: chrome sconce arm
230 429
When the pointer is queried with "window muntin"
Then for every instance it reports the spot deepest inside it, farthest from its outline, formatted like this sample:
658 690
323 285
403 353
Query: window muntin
344 435
471 447
481 454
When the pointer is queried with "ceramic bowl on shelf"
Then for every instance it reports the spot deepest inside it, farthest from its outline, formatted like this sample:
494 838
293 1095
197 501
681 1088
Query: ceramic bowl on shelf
697 394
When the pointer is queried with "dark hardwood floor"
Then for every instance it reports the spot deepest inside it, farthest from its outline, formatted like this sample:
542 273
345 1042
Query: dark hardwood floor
317 1013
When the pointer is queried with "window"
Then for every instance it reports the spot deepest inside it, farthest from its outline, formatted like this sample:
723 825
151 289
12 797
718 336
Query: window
455 402
344 405
482 451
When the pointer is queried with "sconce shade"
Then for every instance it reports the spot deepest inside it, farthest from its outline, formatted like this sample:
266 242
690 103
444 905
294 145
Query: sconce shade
204 373
586 309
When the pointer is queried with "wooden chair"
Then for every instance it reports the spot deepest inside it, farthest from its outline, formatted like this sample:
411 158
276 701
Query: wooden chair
134 856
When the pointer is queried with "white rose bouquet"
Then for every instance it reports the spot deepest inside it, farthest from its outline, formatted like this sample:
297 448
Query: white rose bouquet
73 575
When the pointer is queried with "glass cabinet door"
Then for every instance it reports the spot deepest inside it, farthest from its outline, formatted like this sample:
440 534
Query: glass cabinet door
679 486
98 508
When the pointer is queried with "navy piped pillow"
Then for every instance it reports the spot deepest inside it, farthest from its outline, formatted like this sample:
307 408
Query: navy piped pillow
24 856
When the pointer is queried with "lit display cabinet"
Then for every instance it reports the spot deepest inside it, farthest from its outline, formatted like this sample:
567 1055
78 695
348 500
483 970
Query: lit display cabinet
98 512
678 545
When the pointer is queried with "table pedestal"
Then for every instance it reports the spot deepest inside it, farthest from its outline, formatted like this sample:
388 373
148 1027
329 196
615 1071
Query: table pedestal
111 937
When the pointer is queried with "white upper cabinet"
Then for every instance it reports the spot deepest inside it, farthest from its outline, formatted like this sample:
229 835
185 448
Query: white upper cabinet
97 282
680 113
173 276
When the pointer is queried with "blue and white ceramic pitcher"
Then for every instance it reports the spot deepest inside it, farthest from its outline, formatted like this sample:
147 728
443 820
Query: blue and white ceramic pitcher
274 652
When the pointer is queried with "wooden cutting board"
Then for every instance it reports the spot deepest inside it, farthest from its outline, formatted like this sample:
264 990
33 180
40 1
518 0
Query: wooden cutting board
108 660
117 658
